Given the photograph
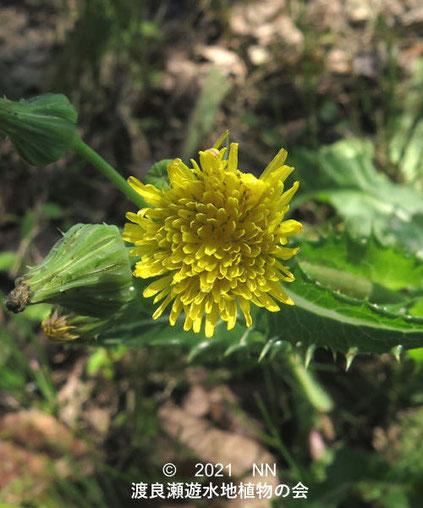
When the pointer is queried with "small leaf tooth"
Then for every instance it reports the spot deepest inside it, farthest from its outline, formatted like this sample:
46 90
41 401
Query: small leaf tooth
349 357
396 351
193 353
197 349
231 349
334 355
266 348
309 355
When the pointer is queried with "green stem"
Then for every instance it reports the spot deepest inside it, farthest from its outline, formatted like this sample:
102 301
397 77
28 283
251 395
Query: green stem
117 180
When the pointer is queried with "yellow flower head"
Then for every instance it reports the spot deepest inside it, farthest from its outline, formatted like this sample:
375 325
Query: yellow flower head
216 237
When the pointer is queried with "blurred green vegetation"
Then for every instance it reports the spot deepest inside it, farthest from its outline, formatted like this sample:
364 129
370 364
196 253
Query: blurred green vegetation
153 80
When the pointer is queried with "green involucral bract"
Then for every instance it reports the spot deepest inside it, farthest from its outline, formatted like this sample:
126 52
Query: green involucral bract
41 129
157 174
87 272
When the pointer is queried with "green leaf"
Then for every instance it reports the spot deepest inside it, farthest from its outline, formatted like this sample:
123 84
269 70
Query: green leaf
353 296
140 330
343 175
157 174
134 326
324 317
388 266
367 199
308 171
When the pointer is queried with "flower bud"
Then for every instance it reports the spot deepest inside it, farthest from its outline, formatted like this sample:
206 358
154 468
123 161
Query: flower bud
41 129
61 326
87 272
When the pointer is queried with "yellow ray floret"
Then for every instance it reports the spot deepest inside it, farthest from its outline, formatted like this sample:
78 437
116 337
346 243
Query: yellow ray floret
217 238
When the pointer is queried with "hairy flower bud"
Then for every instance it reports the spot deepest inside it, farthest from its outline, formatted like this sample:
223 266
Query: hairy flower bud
87 272
41 129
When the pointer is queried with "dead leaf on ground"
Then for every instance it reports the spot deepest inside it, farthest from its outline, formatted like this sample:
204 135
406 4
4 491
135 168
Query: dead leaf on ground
196 402
214 445
221 405
246 17
74 393
224 59
35 449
